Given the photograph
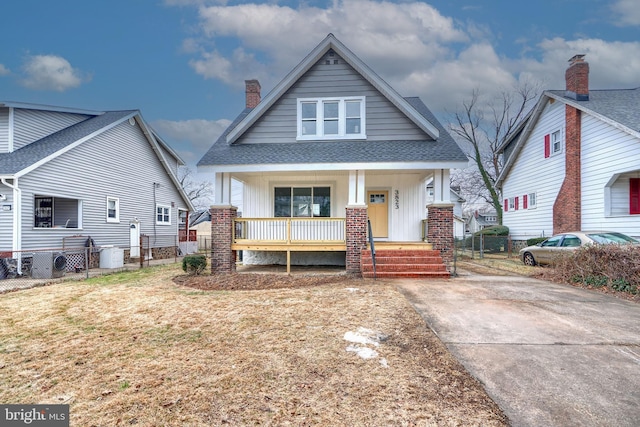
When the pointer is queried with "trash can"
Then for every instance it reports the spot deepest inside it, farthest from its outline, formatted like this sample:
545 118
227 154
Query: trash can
111 257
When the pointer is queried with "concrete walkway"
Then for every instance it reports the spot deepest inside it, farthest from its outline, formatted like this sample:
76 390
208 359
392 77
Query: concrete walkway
548 354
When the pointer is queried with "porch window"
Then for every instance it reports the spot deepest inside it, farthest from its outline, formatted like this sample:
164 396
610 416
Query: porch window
302 202
163 215
331 118
56 212
113 209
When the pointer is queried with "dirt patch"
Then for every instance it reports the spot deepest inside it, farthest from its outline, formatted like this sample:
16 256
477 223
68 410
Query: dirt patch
254 281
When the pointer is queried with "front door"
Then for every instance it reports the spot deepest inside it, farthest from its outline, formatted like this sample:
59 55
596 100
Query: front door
378 210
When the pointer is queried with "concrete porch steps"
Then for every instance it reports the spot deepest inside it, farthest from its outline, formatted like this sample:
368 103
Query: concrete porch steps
404 263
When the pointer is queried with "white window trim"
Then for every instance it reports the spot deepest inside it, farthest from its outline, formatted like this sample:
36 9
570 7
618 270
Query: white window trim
341 118
117 218
535 198
168 207
512 203
553 152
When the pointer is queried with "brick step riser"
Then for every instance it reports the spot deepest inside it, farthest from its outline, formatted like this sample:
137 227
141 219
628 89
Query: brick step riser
404 260
405 267
379 253
396 275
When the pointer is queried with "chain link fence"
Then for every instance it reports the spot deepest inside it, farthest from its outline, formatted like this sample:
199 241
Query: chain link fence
79 258
481 246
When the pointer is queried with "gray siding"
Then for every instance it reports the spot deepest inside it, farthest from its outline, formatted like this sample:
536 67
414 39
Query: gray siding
6 219
171 161
383 120
117 163
4 130
31 125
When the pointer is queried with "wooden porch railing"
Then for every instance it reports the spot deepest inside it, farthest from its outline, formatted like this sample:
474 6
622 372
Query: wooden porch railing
290 231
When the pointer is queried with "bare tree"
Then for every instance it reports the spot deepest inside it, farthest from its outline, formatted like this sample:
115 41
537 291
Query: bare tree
483 127
199 192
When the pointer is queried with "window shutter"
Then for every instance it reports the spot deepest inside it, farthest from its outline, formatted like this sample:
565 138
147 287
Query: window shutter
634 196
525 201
547 146
506 205
516 202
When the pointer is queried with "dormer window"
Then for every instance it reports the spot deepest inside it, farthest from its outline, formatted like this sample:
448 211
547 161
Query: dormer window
331 118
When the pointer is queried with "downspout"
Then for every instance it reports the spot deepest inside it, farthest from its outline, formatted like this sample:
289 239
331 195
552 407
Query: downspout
17 226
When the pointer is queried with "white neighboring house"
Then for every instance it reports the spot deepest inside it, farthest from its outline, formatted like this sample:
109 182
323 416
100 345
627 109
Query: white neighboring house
458 219
72 174
575 162
331 146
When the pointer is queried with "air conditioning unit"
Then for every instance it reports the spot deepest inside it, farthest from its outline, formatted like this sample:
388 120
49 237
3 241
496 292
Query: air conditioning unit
48 265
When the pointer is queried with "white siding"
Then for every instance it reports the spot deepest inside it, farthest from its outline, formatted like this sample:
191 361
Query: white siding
608 152
383 120
530 173
4 130
404 221
32 125
117 163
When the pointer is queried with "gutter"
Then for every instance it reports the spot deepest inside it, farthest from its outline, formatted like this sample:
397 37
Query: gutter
17 227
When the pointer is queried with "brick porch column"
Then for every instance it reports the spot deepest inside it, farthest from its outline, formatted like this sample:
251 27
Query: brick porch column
356 234
223 259
440 229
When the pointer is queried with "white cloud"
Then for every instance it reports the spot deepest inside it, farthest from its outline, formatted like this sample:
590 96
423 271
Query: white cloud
410 44
627 11
4 70
191 138
611 64
383 33
51 72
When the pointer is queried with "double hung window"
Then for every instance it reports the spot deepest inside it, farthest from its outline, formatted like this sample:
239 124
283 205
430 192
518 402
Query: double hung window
113 209
163 215
331 118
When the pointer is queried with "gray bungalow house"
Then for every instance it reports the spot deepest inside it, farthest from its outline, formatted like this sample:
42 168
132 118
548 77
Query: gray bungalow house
330 147
68 173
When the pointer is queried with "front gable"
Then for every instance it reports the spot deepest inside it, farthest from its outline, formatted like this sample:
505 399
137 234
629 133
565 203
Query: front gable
331 45
332 79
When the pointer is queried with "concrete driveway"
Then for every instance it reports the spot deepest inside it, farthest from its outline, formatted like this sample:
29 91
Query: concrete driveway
549 355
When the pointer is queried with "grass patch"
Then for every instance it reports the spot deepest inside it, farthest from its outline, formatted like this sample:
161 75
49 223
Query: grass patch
163 354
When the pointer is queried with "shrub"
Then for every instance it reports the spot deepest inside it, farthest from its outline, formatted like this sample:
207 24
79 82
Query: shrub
536 240
194 264
614 266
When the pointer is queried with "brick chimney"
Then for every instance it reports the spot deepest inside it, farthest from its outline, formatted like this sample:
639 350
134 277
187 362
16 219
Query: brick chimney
252 93
577 77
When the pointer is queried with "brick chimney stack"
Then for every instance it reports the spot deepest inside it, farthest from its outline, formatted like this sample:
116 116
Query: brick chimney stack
252 93
577 77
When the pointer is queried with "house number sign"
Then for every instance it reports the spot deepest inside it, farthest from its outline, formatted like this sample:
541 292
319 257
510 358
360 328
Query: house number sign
396 199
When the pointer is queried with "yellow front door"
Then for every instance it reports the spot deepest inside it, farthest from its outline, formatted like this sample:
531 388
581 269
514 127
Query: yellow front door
378 210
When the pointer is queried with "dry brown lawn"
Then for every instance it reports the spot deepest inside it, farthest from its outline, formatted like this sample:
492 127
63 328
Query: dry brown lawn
139 348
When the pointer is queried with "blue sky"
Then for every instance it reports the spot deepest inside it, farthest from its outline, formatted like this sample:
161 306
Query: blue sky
183 62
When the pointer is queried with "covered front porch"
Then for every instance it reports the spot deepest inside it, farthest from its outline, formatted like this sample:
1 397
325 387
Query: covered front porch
395 202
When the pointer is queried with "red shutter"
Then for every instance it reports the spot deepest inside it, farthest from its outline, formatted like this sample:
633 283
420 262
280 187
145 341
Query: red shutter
516 202
506 205
547 146
525 201
634 196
